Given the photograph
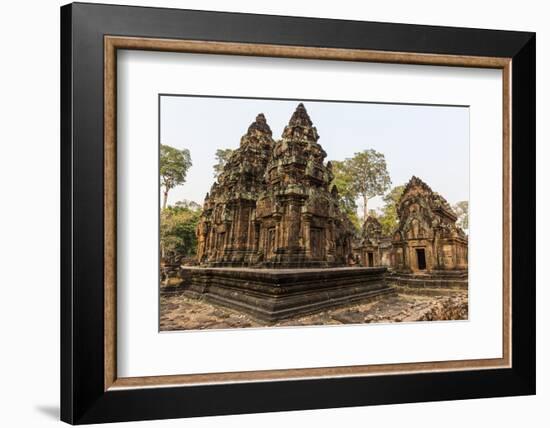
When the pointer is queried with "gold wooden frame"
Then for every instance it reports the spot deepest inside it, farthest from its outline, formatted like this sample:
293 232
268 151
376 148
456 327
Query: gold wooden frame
113 43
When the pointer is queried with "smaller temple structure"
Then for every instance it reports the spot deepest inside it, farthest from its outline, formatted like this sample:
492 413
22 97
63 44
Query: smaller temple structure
374 249
428 247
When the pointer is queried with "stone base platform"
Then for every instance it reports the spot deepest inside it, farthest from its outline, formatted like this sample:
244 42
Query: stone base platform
276 294
435 279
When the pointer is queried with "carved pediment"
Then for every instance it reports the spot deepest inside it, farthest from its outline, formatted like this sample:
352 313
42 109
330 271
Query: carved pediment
424 213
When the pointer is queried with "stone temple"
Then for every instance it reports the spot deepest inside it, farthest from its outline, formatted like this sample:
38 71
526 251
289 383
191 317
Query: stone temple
272 240
428 246
426 249
374 248
272 205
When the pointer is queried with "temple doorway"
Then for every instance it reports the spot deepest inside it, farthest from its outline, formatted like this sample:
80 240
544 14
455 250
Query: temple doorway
371 259
421 258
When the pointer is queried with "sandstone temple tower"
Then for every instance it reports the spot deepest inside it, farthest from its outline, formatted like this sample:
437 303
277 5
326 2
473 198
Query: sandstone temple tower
272 206
428 242
228 231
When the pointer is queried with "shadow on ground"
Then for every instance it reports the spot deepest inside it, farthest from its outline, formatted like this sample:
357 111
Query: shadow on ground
51 411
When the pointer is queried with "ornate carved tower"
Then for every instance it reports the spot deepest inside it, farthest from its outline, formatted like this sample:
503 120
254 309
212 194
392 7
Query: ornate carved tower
427 240
228 231
273 206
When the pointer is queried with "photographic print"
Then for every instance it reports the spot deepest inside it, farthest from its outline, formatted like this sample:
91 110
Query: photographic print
313 192
279 212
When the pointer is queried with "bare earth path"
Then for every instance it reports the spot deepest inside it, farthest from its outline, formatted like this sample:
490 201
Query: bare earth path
182 313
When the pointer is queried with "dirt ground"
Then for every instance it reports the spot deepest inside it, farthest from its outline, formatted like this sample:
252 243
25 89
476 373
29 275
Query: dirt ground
179 312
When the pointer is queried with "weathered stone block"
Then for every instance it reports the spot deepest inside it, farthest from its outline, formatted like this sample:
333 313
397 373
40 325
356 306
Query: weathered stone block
276 294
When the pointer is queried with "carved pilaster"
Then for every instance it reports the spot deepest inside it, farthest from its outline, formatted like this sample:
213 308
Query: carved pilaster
306 234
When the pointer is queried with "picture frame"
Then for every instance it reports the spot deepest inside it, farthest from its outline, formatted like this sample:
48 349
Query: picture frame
91 35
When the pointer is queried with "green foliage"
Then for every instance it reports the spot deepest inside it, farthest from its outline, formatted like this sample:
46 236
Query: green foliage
365 175
222 156
177 231
343 182
192 205
174 165
461 211
355 221
388 218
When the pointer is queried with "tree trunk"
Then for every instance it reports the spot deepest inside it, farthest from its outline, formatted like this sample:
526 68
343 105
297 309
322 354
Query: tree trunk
164 199
365 207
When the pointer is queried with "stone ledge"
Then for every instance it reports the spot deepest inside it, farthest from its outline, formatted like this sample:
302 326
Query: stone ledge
438 279
276 294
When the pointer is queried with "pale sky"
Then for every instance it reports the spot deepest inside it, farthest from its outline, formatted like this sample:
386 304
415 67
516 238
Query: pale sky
431 142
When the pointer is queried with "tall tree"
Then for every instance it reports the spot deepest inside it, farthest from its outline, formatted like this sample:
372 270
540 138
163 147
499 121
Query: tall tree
388 219
342 180
174 165
369 175
461 210
222 156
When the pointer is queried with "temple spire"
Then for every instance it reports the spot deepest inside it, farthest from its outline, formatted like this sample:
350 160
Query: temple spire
260 124
300 127
300 117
